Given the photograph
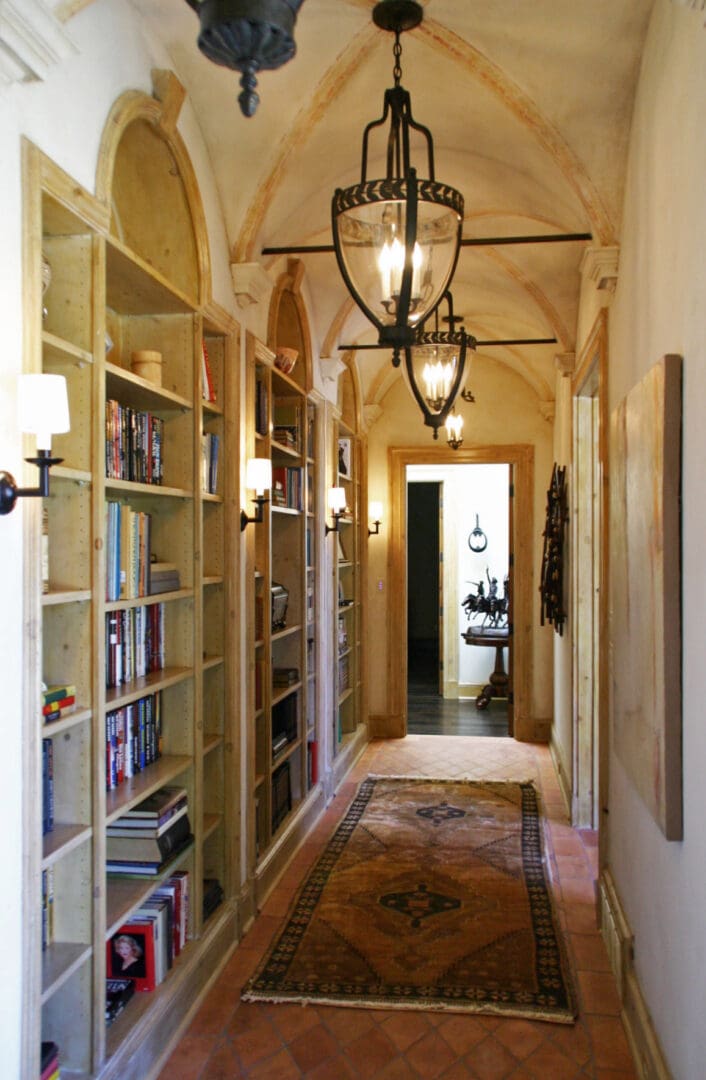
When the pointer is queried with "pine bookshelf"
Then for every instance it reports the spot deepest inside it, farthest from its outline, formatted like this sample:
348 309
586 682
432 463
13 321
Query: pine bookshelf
349 714
104 301
283 726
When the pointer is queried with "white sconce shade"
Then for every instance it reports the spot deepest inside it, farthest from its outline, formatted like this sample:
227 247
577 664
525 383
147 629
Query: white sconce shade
375 511
258 475
43 407
337 500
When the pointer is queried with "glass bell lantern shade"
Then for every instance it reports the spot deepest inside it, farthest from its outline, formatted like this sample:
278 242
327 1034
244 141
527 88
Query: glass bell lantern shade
397 237
435 366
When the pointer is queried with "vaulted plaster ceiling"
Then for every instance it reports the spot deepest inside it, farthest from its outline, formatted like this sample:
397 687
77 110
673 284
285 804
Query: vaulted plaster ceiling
529 105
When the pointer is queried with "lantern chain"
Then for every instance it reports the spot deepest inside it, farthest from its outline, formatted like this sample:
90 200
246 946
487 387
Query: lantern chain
397 52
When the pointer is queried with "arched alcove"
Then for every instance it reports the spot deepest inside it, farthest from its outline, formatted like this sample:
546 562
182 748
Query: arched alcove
288 324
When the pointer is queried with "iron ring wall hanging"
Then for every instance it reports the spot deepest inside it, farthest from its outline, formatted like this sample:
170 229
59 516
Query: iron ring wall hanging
477 540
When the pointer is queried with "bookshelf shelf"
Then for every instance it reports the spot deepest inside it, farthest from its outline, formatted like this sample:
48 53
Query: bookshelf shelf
279 693
72 476
289 631
60 961
59 353
124 895
65 723
65 596
138 393
210 662
62 840
211 742
117 696
147 601
211 822
138 787
159 491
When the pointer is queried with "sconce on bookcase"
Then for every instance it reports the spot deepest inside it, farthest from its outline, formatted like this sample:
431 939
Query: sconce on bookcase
375 516
258 477
337 506
43 411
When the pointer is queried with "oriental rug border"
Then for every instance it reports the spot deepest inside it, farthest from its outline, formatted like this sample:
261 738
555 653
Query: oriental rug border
519 969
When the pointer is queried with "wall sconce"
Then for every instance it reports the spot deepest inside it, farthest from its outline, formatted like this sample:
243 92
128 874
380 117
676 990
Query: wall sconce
454 430
337 506
258 477
375 515
43 411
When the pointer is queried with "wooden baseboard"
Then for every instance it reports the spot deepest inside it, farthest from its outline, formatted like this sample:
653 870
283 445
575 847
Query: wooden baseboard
644 1045
564 779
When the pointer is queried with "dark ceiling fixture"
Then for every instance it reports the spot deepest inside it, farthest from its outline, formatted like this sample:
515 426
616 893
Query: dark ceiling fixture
434 365
397 237
248 36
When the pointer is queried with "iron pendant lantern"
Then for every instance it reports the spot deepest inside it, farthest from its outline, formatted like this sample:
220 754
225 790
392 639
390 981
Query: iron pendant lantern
397 238
434 366
247 36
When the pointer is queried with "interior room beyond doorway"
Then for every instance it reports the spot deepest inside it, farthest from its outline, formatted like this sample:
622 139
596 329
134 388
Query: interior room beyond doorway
458 540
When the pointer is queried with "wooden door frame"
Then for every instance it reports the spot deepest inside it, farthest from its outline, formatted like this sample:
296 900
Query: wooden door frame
590 380
520 458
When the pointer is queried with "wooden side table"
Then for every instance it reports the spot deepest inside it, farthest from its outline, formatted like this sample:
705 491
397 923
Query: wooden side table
498 682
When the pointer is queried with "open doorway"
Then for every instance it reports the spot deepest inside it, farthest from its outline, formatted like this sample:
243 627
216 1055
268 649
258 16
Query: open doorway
458 549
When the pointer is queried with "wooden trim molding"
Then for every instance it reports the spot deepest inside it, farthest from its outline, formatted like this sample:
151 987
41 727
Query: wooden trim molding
644 1044
521 460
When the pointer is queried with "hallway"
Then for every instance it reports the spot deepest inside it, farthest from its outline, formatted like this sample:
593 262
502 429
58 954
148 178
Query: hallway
227 1039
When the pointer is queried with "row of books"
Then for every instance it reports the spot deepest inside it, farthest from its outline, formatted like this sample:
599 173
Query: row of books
287 486
133 739
144 948
57 700
312 762
261 408
49 1061
344 674
127 552
134 643
141 842
133 444
210 445
208 387
47 786
47 907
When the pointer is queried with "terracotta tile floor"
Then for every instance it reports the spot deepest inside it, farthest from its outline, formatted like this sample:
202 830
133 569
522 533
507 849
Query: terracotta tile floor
229 1039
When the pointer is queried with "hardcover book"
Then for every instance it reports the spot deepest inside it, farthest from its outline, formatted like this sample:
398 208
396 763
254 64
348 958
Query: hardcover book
157 848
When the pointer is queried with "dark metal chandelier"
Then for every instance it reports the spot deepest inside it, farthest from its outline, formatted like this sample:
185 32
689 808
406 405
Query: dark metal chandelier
397 238
435 363
248 36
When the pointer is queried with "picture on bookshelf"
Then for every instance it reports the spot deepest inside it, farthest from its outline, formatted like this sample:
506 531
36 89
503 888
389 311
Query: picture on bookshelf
128 956
344 457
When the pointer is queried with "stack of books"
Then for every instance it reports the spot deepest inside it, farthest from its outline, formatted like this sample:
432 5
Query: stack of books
212 896
164 577
285 676
49 1061
145 839
57 700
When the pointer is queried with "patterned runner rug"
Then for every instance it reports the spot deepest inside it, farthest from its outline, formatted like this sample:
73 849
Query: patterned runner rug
432 894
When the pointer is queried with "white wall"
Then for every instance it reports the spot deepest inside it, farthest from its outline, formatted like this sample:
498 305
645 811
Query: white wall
658 309
64 115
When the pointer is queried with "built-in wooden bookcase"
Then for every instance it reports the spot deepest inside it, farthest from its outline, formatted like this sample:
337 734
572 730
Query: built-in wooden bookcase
284 729
106 299
349 711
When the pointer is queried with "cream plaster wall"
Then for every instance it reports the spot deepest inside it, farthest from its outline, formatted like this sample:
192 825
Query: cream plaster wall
658 309
506 412
64 115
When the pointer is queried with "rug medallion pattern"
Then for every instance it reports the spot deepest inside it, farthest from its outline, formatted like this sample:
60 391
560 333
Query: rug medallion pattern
431 894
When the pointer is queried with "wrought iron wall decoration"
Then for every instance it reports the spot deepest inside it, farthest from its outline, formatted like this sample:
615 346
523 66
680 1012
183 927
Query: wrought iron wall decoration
477 540
552 583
